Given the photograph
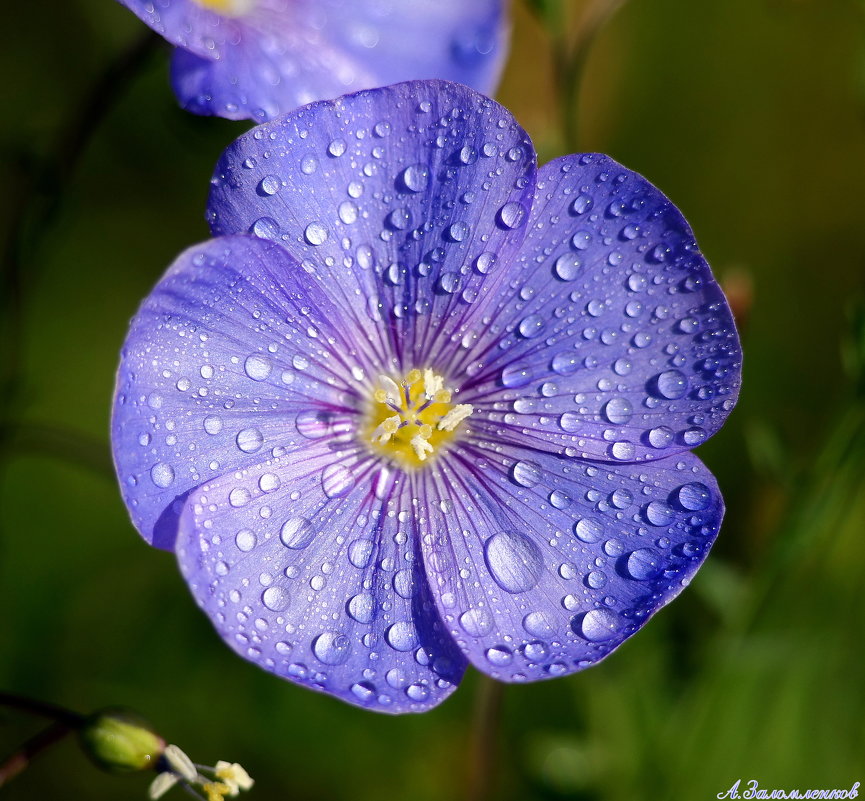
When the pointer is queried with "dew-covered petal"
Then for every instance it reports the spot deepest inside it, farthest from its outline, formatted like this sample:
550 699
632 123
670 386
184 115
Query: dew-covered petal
263 75
286 55
306 564
416 39
542 565
231 357
403 202
612 340
190 25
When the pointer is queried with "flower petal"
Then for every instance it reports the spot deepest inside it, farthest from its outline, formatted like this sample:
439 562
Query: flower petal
233 354
614 341
275 55
318 580
400 201
415 39
541 566
187 24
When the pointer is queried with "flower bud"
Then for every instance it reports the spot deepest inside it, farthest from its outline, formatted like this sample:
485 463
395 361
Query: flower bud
120 742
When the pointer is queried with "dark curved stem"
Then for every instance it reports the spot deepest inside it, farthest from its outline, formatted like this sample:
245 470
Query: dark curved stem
570 62
31 706
484 738
17 762
39 185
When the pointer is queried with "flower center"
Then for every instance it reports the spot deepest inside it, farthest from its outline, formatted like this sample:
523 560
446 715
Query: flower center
228 8
412 419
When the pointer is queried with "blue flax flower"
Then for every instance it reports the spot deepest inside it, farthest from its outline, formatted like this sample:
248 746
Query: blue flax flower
260 58
420 403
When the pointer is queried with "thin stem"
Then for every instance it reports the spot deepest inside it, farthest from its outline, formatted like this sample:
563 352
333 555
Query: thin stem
18 761
59 442
570 60
483 745
39 186
32 706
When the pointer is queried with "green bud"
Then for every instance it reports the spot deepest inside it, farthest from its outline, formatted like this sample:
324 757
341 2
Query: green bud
120 742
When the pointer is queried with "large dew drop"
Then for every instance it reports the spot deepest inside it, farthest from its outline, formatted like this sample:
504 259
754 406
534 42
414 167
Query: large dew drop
598 625
514 561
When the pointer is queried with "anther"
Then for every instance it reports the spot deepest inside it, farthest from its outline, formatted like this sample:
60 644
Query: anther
455 416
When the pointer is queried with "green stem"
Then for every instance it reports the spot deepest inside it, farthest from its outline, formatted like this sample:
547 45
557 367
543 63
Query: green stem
482 748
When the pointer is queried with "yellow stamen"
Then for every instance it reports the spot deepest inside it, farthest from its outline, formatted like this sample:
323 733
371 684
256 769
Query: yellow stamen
432 384
215 791
411 419
455 416
228 8
234 775
421 447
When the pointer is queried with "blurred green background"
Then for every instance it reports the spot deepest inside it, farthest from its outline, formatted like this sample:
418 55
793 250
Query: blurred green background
750 114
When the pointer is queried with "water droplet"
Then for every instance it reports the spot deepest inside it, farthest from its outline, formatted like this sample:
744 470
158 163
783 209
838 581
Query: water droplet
514 561
265 228
539 624
569 422
336 480
398 219
661 437
623 450
275 598
331 648
559 499
308 165
618 410
499 655
415 178
315 234
269 185
581 204
567 267
485 262
458 231
565 363
362 607
296 533
643 564
336 148
694 496
515 376
347 211
596 579
671 384
531 326
659 514
599 625
257 367
239 496
535 651
401 636
245 540
476 622
360 553
468 155
526 474
512 215
589 530
269 482
249 440
162 475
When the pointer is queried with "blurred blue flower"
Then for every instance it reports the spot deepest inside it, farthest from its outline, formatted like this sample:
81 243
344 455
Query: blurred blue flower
420 403
260 58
